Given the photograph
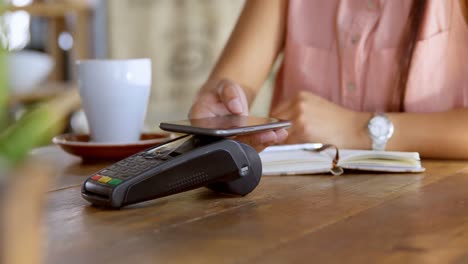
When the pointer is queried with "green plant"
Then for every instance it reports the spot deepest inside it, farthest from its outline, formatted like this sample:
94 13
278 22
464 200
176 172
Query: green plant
3 85
36 127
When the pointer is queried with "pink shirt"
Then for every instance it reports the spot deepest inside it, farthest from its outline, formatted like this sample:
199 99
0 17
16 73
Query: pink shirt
346 52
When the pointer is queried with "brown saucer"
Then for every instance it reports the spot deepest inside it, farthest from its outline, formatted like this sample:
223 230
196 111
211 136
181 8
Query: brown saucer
79 145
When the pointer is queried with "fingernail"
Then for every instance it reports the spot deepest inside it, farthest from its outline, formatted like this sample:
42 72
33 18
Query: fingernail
282 135
235 106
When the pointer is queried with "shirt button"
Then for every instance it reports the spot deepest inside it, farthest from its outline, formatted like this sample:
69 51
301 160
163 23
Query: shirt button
355 39
370 5
351 87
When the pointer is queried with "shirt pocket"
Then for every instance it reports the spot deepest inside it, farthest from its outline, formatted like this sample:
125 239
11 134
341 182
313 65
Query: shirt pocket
310 68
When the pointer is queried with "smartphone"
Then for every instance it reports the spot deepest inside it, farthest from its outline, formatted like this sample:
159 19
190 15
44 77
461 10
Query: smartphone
225 126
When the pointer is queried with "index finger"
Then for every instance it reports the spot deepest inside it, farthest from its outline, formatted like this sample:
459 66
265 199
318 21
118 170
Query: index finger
233 97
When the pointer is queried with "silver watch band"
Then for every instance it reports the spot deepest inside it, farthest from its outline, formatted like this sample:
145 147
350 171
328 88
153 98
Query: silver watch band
380 131
380 146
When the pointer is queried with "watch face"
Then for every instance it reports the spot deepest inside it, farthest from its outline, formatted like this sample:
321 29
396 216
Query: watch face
380 127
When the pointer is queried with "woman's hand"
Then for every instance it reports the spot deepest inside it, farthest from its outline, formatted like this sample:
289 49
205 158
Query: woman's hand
315 119
228 98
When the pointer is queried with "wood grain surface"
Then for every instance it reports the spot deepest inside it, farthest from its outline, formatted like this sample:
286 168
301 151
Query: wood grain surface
354 218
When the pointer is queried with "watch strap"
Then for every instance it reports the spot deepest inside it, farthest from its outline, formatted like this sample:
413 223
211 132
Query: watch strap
380 143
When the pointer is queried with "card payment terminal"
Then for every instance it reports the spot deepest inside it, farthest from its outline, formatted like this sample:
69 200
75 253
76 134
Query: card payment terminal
182 164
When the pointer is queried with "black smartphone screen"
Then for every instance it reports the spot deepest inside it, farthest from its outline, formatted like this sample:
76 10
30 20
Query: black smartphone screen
225 126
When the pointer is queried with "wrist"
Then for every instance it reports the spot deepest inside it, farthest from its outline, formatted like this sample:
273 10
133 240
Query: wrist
361 134
355 127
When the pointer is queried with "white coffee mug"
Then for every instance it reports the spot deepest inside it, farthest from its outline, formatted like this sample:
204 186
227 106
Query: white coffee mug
114 95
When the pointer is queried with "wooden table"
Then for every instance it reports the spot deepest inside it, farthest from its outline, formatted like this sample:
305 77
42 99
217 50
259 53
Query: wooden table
354 218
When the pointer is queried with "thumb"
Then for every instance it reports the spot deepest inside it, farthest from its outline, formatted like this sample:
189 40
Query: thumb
233 97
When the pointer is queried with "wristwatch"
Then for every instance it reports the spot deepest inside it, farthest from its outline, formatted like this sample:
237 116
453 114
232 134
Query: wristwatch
380 130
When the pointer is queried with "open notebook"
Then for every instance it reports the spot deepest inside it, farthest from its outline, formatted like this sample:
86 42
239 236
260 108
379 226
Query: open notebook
305 159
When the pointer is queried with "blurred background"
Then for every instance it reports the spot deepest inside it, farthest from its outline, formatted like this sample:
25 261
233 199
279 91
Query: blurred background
182 37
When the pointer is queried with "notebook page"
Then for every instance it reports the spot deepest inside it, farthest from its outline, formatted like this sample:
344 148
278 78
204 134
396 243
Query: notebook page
391 161
351 154
294 161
